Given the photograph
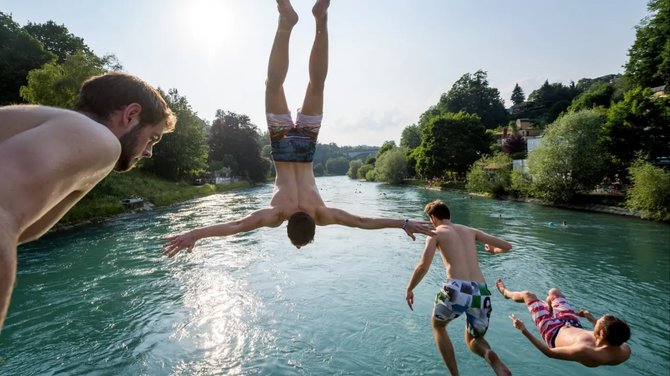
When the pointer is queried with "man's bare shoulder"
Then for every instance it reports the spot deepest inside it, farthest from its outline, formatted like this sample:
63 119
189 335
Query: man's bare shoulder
53 137
18 118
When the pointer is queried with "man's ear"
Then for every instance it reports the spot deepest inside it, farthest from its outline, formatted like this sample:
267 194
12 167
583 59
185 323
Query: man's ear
131 115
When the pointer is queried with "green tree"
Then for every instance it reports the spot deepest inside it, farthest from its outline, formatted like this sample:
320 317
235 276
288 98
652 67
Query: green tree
649 56
491 174
638 124
411 136
451 142
20 53
391 166
58 40
518 96
337 166
598 95
472 94
58 84
650 193
545 104
364 169
354 166
570 158
386 146
234 139
181 154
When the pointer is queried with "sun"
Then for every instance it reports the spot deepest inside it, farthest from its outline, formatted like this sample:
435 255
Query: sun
209 22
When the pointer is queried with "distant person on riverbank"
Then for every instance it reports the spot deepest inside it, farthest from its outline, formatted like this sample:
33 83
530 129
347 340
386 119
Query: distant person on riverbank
465 289
563 334
52 157
296 197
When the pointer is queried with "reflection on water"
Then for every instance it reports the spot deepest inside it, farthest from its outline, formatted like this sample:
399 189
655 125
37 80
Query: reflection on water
102 299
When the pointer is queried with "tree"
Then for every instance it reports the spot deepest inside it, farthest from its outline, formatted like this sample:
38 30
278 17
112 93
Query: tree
598 95
58 84
391 167
649 56
472 94
58 40
549 101
233 138
20 53
518 96
514 144
386 146
354 166
650 193
451 142
638 124
570 158
491 174
181 154
337 166
411 136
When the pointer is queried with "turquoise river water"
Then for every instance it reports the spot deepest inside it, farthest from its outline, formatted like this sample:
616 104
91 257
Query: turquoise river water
101 300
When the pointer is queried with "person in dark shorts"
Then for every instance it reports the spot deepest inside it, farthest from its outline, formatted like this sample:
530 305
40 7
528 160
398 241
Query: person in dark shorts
296 197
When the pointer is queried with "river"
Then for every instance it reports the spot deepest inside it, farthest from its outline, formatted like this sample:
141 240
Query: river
102 300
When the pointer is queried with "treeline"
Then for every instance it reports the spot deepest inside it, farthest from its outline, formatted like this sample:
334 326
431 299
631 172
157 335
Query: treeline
46 64
614 128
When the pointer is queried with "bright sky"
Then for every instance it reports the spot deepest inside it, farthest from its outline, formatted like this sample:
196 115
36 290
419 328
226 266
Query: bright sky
389 59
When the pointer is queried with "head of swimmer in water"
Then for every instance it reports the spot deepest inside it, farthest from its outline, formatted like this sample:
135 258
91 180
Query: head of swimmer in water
301 229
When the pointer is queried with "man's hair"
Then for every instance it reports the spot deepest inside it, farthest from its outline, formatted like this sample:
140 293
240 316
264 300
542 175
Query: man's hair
616 331
100 96
438 209
300 229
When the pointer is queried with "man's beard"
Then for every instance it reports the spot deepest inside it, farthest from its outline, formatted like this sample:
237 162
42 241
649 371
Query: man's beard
129 142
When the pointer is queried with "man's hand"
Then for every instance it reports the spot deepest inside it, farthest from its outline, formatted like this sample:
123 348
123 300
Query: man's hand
410 299
517 323
178 242
421 227
587 315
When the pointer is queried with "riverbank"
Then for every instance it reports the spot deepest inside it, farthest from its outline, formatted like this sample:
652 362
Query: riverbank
609 204
132 192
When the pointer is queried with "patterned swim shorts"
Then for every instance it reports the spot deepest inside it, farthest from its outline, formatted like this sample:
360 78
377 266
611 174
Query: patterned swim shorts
457 297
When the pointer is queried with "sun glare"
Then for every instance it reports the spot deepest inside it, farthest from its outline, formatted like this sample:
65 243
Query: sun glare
210 22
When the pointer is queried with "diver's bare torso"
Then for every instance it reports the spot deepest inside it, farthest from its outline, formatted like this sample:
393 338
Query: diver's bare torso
296 191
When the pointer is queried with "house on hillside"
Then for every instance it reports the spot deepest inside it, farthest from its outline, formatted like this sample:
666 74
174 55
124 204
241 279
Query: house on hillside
661 91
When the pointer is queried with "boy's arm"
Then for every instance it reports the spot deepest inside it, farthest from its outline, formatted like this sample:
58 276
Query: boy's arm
492 244
587 315
260 218
564 353
421 269
333 216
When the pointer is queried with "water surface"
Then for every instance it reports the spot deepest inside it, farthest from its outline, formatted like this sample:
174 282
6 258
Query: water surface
101 300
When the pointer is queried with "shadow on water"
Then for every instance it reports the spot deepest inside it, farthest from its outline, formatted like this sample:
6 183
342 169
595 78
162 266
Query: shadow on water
102 300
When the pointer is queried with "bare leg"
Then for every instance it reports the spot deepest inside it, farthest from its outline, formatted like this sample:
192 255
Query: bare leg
517 296
318 61
481 347
445 347
275 99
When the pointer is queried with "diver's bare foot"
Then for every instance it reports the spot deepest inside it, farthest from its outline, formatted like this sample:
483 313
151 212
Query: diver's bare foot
320 9
498 366
287 15
501 287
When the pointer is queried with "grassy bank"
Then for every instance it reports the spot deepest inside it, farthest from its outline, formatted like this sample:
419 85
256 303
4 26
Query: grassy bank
105 199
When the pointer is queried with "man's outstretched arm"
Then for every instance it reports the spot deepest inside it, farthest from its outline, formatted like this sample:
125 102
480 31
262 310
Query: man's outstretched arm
421 269
493 244
573 353
333 216
260 218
